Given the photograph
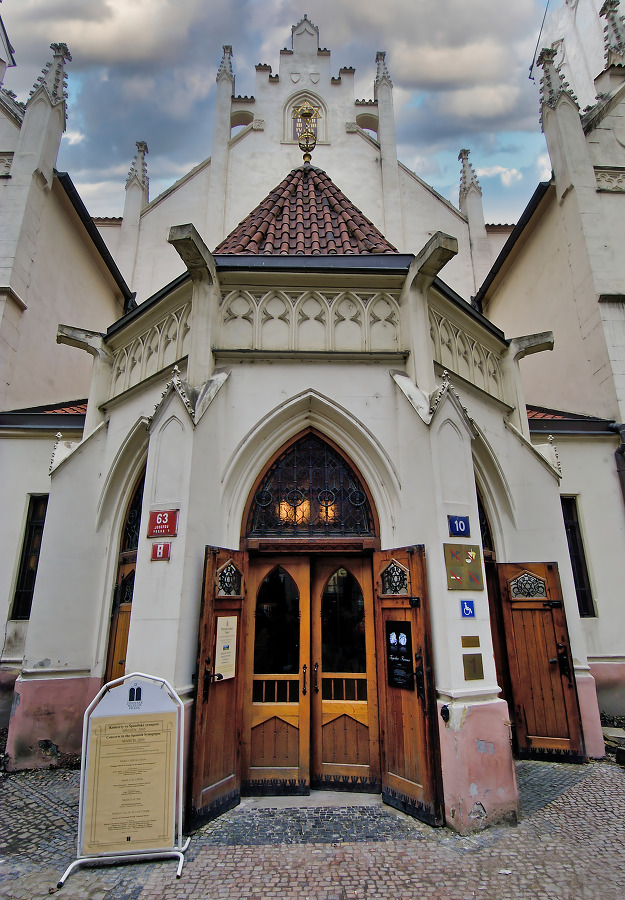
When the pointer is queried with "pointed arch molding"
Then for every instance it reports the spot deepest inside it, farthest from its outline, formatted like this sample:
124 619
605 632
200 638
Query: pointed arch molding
124 469
266 438
296 99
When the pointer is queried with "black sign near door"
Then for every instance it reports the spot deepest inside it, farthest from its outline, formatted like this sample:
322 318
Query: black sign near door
399 663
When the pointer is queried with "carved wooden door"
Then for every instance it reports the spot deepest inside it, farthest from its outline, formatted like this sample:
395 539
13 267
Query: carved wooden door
311 699
544 693
345 742
216 753
408 726
276 737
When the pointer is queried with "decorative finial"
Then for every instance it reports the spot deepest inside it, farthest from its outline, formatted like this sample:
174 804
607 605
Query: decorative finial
53 78
306 118
139 168
613 34
468 178
552 84
225 66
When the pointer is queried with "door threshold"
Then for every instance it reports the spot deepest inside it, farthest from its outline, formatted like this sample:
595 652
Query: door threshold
313 800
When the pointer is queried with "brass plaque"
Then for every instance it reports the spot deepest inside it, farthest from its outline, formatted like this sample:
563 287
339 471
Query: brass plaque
473 667
470 640
463 563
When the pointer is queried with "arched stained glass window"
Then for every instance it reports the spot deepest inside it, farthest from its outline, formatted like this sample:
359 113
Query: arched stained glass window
310 491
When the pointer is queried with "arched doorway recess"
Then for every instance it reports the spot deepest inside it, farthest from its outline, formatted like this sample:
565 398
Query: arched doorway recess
124 585
332 648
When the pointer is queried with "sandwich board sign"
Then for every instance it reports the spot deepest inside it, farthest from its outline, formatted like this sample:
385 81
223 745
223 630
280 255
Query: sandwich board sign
131 774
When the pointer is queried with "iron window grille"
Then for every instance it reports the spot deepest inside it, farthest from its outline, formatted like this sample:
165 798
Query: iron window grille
310 491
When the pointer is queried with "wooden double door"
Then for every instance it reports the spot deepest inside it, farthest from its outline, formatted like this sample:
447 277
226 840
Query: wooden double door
329 681
311 711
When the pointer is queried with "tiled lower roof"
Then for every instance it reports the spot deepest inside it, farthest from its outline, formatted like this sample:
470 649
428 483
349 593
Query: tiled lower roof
306 214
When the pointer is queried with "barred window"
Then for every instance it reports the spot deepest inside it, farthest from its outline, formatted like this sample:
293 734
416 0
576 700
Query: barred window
30 557
310 491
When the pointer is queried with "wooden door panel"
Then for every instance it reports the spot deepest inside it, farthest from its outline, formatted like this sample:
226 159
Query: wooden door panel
409 739
344 703
275 738
215 783
118 642
544 695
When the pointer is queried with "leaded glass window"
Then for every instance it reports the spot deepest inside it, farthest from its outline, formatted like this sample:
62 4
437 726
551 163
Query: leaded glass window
310 491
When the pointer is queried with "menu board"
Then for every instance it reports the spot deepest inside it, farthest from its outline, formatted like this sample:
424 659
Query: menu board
130 786
399 663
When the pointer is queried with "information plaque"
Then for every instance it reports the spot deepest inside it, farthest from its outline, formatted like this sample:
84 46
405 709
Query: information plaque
399 664
131 774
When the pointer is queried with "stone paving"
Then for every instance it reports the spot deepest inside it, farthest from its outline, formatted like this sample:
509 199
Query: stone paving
569 845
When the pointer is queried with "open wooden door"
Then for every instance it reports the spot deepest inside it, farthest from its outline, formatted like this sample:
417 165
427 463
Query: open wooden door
408 735
215 783
544 693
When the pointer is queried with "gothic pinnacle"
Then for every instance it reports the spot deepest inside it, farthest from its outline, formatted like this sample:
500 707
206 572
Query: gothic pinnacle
468 178
225 66
613 33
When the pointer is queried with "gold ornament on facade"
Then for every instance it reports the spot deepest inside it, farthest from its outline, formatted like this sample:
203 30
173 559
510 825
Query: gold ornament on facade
305 120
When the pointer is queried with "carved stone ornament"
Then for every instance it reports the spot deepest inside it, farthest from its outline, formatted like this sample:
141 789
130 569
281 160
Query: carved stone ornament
527 586
610 180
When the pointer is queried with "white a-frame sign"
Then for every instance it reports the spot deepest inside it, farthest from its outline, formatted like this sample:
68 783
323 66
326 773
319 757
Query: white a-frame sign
131 774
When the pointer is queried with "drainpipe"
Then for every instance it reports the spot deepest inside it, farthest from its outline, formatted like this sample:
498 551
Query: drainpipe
619 454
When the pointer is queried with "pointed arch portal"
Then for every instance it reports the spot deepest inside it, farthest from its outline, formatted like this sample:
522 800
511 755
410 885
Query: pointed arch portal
332 684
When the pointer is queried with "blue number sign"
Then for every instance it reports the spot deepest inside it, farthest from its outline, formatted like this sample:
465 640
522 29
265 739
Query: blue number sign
459 526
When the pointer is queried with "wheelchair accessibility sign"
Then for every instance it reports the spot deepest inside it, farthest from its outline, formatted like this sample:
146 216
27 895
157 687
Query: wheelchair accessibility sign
467 609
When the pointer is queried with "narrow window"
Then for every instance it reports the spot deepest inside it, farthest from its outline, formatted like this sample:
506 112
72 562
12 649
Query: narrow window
30 557
578 557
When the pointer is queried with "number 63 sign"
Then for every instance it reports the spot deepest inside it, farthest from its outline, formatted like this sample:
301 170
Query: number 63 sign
163 522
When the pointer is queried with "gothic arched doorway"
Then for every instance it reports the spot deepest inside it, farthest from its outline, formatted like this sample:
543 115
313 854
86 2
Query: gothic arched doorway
124 586
332 648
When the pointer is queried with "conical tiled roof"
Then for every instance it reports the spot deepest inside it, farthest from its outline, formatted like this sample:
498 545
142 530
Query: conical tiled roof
306 214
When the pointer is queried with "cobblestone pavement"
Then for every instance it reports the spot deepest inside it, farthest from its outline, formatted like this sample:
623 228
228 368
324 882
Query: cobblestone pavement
569 845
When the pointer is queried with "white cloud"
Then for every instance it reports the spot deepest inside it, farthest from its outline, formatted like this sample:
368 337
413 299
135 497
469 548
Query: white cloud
73 137
508 176
543 164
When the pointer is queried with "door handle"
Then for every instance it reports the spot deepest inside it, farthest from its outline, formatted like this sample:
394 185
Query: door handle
419 675
304 674
208 677
316 682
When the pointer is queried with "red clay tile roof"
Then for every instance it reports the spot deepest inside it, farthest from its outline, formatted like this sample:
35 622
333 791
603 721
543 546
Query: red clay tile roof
71 408
306 214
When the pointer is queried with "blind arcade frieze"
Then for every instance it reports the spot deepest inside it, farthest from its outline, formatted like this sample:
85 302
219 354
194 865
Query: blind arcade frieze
310 320
460 352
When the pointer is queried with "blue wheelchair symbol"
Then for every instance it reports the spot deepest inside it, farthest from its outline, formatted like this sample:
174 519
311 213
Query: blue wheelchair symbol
467 608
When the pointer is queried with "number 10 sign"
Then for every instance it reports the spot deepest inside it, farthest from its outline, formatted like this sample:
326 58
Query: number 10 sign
163 522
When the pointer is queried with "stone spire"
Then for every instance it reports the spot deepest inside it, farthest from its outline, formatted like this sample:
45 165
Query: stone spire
468 178
53 78
138 169
471 206
224 72
552 84
382 76
613 33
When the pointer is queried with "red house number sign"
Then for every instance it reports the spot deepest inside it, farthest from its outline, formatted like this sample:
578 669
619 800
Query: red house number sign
163 523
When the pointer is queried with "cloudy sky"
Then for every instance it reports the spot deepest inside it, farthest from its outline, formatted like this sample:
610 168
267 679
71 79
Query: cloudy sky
145 70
